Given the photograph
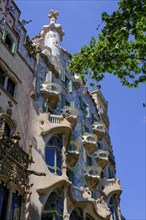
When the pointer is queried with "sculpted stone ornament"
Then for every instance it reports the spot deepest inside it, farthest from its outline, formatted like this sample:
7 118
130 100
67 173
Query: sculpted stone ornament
86 193
66 216
102 209
13 174
36 172
63 156
14 163
53 16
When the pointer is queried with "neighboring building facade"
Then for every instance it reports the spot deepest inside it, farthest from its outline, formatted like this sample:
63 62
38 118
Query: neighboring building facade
56 159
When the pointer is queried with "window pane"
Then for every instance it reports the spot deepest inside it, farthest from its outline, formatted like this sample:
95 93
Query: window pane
58 218
59 172
50 156
3 201
59 159
10 87
8 42
47 217
15 207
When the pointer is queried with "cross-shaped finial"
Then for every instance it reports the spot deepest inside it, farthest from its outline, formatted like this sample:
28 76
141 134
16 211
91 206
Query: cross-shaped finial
53 16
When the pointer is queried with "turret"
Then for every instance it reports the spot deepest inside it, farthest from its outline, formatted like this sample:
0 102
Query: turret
52 34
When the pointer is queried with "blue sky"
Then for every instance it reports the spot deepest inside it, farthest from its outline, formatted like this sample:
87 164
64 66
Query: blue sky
127 115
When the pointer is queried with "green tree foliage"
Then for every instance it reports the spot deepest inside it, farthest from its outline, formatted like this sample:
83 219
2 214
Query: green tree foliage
120 48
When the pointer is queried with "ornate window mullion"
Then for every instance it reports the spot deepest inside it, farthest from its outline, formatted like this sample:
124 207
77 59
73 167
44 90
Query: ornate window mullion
64 166
55 161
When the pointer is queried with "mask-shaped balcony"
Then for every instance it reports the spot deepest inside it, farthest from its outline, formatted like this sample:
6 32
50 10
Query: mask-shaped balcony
111 186
73 154
89 142
92 177
77 82
99 130
51 91
101 158
71 114
72 157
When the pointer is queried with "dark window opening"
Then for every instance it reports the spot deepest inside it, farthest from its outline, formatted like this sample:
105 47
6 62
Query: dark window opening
7 130
8 42
76 215
3 201
2 77
10 87
53 209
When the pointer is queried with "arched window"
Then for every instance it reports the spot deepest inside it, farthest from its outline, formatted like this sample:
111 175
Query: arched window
53 156
76 214
53 209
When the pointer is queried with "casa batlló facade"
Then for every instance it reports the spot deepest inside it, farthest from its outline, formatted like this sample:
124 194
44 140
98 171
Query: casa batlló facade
56 158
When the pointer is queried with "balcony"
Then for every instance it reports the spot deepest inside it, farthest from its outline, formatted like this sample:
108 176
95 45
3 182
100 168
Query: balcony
89 142
72 157
101 158
77 82
54 124
71 114
73 154
92 177
51 91
99 130
111 186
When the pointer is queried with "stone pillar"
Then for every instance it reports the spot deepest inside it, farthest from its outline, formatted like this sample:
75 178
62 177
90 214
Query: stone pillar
84 214
66 215
11 190
64 167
